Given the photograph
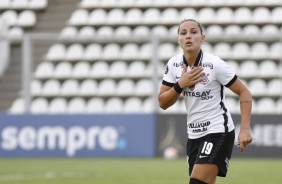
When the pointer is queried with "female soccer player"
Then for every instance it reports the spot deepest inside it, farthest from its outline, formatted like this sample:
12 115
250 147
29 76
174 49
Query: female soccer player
201 78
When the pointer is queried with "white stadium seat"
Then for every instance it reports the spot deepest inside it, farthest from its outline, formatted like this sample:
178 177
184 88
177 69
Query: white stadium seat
206 15
17 107
248 69
39 106
129 51
123 31
159 31
214 30
63 70
268 68
241 50
81 70
5 4
38 4
232 30
76 105
133 105
232 105
259 50
148 105
44 70
151 16
257 87
224 15
68 32
115 16
56 52
88 87
51 88
97 16
58 106
166 50
69 87
99 69
222 50
142 31
95 105
114 105
243 15
274 87
26 18
137 69
251 30
35 87
266 106
111 51
144 87
92 51
133 16
276 15
275 50
118 69
16 33
74 52
79 17
107 87
188 13
10 17
19 4
145 51
270 29
86 32
261 15
125 87
169 15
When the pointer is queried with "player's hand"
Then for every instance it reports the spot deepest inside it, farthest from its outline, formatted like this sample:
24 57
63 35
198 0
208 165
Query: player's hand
244 138
190 78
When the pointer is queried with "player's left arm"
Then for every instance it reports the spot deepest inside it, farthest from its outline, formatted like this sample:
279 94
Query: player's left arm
245 97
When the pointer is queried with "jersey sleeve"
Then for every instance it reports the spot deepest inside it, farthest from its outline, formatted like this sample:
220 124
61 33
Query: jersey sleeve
168 77
225 75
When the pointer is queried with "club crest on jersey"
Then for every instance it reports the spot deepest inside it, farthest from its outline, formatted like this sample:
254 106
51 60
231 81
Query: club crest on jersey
205 79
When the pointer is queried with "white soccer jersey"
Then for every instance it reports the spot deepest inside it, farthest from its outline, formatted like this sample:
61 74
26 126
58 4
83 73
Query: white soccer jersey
206 110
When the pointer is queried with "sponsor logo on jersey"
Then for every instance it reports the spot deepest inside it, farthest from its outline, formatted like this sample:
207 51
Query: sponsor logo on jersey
199 127
205 95
207 65
178 64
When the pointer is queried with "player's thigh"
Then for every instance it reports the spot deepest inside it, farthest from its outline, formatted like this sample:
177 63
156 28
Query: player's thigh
205 172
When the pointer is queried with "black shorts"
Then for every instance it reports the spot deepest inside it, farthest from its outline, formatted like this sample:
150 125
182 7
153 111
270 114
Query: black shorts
213 148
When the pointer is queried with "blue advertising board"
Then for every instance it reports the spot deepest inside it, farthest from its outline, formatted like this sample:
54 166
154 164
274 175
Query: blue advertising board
77 135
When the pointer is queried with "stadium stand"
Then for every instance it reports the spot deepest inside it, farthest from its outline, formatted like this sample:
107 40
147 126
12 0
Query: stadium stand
113 73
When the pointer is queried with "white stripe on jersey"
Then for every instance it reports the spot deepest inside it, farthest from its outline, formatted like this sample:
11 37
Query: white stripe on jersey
206 112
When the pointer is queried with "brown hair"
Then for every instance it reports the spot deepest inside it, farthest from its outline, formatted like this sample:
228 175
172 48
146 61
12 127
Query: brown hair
199 25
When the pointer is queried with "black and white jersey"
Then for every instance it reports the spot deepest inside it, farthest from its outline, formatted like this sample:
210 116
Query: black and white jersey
206 109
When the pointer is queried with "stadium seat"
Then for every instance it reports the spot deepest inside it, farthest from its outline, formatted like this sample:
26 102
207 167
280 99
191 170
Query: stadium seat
15 33
95 105
251 30
5 4
222 50
166 50
261 15
232 105
76 105
160 69
158 3
207 47
136 69
10 17
276 15
63 70
114 105
81 70
26 18
125 87
126 3
58 106
224 15
279 106
217 2
118 69
214 30
140 3
133 105
17 107
241 50
169 15
79 17
266 105
234 66
68 32
188 13
173 31
38 4
88 87
108 3
144 87
89 3
39 106
257 87
19 4
92 51
179 2
248 69
268 68
56 52
148 105
206 15
259 50
74 52
145 51
69 87
107 87
51 88
86 32
35 87
274 87
111 51
160 31
270 29
97 16
232 30
115 16
151 16
44 70
275 50
123 31
198 2
133 16
253 2
99 69
141 31
243 15
129 51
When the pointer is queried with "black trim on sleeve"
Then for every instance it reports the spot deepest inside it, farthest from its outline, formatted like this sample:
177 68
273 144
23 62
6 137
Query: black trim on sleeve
232 81
168 83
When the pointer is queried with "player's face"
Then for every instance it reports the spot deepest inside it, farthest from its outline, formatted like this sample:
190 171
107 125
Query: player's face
190 37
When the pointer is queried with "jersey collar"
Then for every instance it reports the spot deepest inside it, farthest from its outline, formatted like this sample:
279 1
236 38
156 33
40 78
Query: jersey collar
198 60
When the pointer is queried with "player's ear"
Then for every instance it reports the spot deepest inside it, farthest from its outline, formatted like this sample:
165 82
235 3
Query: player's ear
203 38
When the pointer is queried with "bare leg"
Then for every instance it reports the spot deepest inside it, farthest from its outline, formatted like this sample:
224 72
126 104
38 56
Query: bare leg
205 172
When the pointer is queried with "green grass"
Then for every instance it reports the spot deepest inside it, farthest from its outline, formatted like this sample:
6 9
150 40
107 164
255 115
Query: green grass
130 171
